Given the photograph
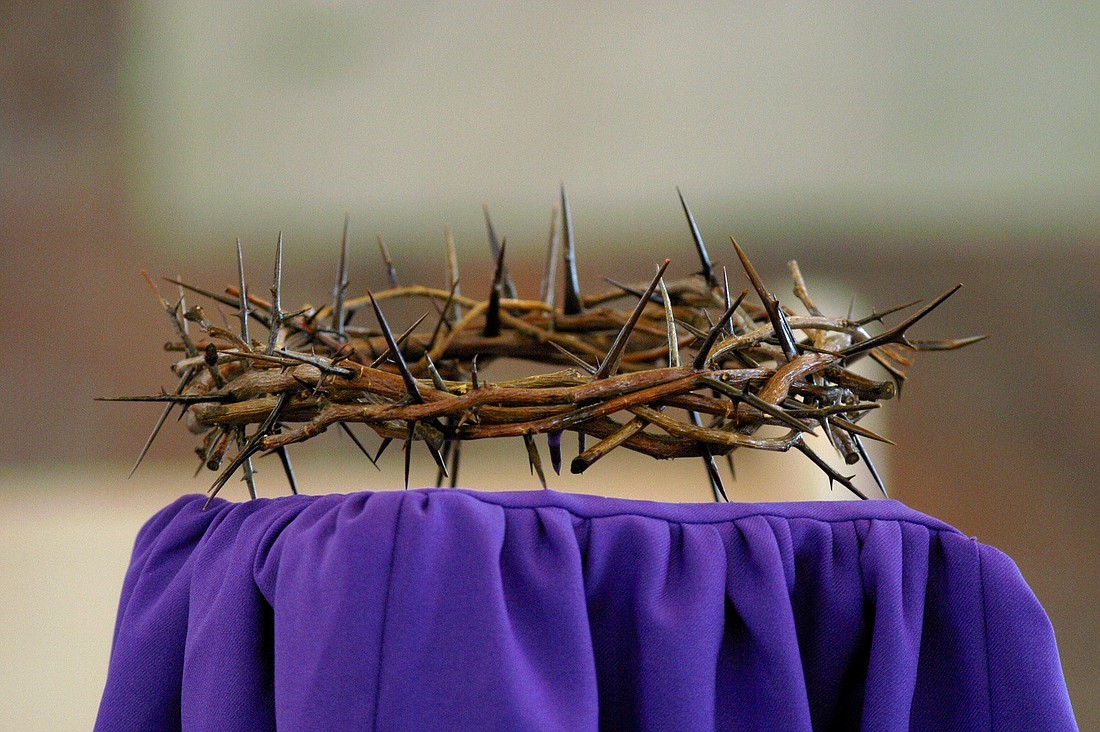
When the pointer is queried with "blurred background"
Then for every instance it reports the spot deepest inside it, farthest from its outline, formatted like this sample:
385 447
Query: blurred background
893 150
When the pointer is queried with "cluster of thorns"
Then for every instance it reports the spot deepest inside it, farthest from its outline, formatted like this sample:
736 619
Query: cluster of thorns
682 382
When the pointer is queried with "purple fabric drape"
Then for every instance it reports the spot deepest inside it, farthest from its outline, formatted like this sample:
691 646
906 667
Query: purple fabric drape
447 609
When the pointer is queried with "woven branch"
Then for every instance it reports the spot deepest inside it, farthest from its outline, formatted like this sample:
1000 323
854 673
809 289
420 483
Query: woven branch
686 371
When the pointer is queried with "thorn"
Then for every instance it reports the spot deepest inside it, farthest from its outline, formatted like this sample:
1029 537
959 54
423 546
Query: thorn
533 459
391 271
726 299
700 248
817 460
433 372
440 474
858 430
553 444
670 327
473 372
410 382
456 454
496 247
877 316
949 344
550 270
381 449
492 314
897 333
184 381
284 458
632 290
442 316
242 300
870 465
716 330
400 341
572 304
614 355
576 360
347 431
276 297
408 452
452 272
771 305
712 468
439 461
340 289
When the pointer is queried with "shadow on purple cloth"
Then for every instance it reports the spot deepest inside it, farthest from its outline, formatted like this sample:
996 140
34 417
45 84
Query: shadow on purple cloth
459 610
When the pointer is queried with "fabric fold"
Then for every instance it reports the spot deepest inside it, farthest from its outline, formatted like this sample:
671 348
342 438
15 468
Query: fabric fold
452 609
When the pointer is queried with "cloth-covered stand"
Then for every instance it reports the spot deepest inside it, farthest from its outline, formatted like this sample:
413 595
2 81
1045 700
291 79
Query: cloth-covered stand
458 610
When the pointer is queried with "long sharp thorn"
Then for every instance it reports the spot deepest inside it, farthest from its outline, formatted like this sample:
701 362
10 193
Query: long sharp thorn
242 300
670 327
492 314
250 478
857 430
184 381
870 465
829 470
533 458
395 350
572 305
950 344
897 333
391 271
771 304
381 449
437 456
362 448
716 330
553 444
726 299
456 455
704 258
340 289
433 372
631 290
786 336
400 341
452 272
729 462
442 316
440 473
408 452
712 468
550 270
614 355
276 298
715 477
575 359
495 248
473 373
877 316
284 458
152 436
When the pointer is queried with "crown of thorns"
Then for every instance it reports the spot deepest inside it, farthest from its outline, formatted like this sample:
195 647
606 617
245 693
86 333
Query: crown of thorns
690 370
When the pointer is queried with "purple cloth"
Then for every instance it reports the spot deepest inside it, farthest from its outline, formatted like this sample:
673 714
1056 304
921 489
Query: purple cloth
448 609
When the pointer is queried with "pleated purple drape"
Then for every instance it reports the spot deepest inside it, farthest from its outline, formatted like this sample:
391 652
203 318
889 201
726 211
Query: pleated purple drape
457 610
